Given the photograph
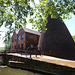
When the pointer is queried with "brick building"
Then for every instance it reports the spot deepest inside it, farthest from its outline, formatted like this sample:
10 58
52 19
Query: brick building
25 39
14 41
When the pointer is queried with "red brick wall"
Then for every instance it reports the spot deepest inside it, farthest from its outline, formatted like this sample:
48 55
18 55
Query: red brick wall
28 39
31 39
13 42
21 41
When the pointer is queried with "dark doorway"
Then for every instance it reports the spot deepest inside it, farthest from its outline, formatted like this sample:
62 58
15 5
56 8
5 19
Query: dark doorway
22 46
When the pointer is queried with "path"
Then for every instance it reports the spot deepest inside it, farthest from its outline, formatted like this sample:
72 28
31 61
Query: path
48 59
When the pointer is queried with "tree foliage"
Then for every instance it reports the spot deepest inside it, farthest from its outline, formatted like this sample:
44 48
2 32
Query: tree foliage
13 13
73 37
55 8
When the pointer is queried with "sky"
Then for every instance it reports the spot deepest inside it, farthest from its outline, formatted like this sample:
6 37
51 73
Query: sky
71 24
2 34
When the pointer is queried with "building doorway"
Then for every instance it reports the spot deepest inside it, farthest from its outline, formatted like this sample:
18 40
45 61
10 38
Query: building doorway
22 46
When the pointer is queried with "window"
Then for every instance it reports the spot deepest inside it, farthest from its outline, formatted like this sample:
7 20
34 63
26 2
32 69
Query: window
15 38
21 46
37 38
22 36
19 38
15 46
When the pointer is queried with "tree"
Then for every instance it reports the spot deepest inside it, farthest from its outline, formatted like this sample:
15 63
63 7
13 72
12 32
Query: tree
16 11
13 13
55 8
73 37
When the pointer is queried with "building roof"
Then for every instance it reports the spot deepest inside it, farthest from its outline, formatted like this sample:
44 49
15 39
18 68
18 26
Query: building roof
31 31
